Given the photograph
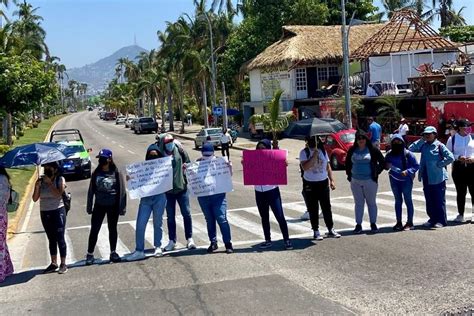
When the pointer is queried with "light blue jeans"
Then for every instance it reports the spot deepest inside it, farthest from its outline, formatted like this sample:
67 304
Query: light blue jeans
153 204
214 208
364 191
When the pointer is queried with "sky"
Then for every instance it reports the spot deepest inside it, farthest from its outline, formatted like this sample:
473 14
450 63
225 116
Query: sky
81 32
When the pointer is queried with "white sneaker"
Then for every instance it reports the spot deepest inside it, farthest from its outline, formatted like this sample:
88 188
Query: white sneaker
136 255
320 213
170 246
305 216
158 252
438 225
317 235
191 244
460 219
333 233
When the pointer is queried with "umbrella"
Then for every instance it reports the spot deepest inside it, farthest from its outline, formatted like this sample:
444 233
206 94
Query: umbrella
34 155
314 126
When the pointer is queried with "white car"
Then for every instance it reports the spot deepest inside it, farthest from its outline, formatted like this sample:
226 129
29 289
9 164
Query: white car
129 121
120 120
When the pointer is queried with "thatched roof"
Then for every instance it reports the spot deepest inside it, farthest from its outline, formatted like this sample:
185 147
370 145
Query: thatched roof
305 45
404 32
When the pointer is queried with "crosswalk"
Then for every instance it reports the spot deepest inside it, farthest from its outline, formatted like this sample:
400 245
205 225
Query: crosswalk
245 227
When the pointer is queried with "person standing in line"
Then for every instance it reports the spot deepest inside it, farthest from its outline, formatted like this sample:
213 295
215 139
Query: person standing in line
268 196
226 142
106 196
49 190
214 208
403 167
151 204
364 163
434 158
317 182
6 266
375 131
402 129
462 147
178 194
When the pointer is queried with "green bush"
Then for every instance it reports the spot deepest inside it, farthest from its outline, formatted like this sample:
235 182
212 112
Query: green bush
4 149
35 124
20 133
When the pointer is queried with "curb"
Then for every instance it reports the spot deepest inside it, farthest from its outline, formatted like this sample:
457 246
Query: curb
181 136
22 207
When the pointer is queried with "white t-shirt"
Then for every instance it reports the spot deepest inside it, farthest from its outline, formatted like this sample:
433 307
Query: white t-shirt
264 188
319 171
226 139
463 146
403 129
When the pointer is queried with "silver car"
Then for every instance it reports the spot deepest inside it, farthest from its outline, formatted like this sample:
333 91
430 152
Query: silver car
214 133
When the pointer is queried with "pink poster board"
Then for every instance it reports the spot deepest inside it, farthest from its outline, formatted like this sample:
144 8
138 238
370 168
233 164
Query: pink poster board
265 167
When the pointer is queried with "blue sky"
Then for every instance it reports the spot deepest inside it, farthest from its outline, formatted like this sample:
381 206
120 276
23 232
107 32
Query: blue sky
83 31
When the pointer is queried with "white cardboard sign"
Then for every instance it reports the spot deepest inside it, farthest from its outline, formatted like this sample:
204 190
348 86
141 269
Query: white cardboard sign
150 177
209 176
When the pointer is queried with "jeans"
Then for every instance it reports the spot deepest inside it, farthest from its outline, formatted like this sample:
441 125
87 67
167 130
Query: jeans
435 196
98 215
317 193
402 191
214 208
463 177
54 223
265 201
225 150
153 204
364 191
183 200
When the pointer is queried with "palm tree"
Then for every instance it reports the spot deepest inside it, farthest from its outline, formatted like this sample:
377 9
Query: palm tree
3 15
391 6
274 121
444 10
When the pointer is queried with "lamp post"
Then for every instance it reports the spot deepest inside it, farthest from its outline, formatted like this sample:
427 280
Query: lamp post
345 55
213 62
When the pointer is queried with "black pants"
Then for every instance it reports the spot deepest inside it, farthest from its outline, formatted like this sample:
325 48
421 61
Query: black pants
265 201
225 149
463 177
317 193
98 215
54 223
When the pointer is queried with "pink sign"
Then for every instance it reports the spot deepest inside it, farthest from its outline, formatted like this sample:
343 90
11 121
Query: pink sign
265 167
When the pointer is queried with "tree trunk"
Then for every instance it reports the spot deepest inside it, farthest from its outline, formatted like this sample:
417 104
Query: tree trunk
162 109
204 103
181 105
275 140
9 129
170 107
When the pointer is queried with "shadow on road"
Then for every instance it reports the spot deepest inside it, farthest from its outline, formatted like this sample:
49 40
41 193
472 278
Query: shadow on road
20 278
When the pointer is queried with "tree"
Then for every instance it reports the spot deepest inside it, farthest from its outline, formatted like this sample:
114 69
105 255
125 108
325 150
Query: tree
459 34
391 6
444 10
274 121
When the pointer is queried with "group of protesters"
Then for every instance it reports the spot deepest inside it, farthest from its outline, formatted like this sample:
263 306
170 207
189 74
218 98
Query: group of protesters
364 163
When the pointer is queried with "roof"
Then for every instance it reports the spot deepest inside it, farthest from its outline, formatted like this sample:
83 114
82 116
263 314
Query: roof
404 32
310 44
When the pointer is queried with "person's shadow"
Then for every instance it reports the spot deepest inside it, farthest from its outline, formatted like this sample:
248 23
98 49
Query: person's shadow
20 278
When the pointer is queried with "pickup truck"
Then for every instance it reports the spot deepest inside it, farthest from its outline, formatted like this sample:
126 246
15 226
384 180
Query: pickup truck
145 124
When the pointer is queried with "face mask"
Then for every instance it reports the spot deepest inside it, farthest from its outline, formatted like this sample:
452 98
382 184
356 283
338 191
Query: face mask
49 172
103 161
312 143
169 147
397 148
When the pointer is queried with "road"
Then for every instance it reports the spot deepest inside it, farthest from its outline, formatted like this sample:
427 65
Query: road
421 271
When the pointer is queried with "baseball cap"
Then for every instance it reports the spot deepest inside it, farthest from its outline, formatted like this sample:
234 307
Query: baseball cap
463 123
429 130
107 153
207 149
168 138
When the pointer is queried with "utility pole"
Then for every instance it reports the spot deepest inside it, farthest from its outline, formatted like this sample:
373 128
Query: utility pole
345 54
213 62
224 115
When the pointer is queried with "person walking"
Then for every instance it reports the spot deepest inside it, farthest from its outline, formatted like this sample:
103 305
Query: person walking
214 208
375 131
106 196
402 129
151 204
6 266
179 194
403 167
434 158
364 163
226 142
268 196
317 182
48 190
462 147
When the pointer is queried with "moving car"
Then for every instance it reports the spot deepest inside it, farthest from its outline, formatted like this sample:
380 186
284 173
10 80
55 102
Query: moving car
145 124
120 120
337 145
110 116
201 137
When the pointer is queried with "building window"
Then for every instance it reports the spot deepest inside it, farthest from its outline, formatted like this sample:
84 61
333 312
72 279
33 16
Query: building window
322 73
333 71
301 79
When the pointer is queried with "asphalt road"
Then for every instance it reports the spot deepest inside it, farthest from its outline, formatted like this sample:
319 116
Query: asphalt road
421 271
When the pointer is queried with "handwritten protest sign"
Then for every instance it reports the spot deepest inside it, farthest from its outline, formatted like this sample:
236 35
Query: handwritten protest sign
150 177
265 167
209 177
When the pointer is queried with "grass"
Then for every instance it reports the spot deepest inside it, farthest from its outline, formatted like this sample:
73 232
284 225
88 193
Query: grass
21 177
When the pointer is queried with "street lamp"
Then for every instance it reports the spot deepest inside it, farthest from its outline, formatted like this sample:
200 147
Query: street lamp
345 55
213 62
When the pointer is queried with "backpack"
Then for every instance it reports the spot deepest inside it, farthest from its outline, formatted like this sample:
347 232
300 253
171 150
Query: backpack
66 196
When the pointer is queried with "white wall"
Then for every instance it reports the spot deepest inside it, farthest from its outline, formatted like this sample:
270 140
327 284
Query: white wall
264 84
380 68
255 86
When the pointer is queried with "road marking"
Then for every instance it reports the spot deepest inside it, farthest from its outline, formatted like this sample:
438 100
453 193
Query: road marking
114 142
121 146
27 217
70 251
131 152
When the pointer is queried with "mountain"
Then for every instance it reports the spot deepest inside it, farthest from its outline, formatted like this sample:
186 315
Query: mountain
98 74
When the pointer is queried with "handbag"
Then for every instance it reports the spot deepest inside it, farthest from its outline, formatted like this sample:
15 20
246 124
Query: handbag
13 201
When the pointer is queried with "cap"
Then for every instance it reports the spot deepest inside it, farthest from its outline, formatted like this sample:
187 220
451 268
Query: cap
265 142
397 136
463 123
207 149
107 153
168 138
429 130
402 119
153 147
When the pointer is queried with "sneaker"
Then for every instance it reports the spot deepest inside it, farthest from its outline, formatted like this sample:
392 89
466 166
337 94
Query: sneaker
358 229
428 224
333 234
408 226
62 268
321 214
373 228
191 244
89 259
265 245
114 257
305 216
158 252
288 245
135 256
398 226
228 248
317 235
213 247
170 246
438 225
459 219
53 267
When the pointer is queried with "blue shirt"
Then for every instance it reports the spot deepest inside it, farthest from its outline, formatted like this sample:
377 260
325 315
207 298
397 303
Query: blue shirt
375 132
396 169
361 168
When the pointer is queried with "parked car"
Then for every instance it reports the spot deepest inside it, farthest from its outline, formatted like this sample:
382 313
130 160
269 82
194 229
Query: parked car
256 130
145 124
132 124
110 116
337 145
201 137
102 115
120 119
129 121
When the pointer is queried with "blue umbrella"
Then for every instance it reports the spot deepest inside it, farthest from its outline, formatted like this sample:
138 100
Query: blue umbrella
34 155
